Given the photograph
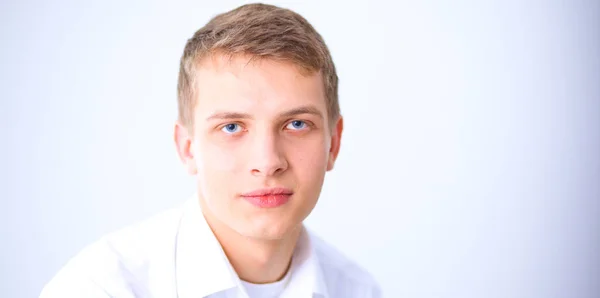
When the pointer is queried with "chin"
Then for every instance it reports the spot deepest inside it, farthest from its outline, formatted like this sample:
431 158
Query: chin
267 229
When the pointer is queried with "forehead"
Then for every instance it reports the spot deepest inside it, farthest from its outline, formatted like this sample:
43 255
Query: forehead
246 84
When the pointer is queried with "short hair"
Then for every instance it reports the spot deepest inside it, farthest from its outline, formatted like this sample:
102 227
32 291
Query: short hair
263 32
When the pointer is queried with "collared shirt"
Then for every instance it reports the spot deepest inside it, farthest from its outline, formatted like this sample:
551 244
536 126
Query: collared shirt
175 254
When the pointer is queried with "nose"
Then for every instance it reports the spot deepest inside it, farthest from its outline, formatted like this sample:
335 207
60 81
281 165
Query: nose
267 156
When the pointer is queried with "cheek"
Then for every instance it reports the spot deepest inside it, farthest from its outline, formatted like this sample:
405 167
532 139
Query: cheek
309 158
215 157
216 166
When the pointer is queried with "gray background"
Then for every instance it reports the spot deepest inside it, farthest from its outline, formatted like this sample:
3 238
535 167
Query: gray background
470 164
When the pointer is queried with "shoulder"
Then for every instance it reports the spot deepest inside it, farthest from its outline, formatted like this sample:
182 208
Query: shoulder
120 263
344 277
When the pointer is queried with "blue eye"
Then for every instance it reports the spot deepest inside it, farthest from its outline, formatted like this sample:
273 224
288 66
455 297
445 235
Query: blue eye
231 128
296 125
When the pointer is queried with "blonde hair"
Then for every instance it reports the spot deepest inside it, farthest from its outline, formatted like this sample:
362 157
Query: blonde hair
263 32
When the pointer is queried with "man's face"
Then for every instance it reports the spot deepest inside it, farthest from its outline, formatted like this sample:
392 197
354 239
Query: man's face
261 126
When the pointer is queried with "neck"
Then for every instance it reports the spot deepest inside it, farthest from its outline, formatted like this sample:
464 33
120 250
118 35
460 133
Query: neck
255 260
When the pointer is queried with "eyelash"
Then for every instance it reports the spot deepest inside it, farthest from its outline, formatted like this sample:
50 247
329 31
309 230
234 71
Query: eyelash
309 125
222 127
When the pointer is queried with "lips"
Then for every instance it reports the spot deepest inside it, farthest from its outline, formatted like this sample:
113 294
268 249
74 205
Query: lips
268 197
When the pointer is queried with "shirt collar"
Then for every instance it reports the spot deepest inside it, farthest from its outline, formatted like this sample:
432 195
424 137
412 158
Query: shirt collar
202 268
307 277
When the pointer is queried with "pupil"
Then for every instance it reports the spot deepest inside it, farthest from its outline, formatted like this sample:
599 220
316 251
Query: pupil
297 123
231 126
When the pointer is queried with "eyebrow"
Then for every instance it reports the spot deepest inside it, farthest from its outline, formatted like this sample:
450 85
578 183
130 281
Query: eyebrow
228 115
303 110
293 112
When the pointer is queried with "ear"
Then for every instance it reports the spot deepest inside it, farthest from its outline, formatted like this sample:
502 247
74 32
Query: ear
336 139
184 144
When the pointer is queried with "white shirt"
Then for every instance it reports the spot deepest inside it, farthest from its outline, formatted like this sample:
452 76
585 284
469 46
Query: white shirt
175 254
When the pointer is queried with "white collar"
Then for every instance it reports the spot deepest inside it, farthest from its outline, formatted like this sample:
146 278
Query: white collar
202 268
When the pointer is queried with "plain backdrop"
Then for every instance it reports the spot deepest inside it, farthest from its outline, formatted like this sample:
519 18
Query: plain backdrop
470 163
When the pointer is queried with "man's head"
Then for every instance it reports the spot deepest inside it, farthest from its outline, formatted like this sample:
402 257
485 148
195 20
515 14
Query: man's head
258 110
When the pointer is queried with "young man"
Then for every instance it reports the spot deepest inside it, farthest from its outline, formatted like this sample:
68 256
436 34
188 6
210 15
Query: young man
259 125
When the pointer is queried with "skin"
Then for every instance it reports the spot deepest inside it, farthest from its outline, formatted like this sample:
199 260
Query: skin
258 124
